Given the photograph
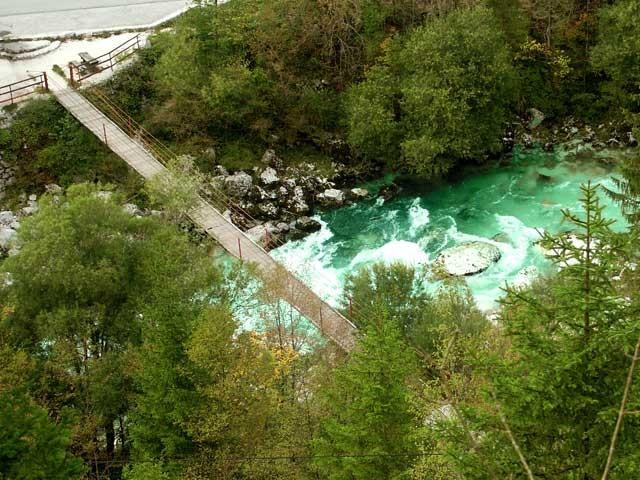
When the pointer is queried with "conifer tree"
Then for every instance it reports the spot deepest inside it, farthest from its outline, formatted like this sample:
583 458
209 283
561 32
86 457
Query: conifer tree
552 399
367 432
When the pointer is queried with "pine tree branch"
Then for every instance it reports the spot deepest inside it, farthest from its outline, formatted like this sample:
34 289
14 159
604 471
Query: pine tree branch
514 443
621 412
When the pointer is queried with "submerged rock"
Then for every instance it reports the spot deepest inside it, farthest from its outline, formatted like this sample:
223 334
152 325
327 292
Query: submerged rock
389 191
467 259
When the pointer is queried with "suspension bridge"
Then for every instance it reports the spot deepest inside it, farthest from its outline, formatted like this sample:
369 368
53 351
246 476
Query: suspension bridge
144 154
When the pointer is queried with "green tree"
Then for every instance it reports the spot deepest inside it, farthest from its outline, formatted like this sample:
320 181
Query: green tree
616 52
556 392
453 84
100 275
367 430
32 446
419 315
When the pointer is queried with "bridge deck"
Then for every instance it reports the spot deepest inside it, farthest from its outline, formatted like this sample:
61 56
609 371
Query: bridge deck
285 284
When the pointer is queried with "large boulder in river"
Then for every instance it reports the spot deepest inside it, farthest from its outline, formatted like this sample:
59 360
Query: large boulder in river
238 185
467 259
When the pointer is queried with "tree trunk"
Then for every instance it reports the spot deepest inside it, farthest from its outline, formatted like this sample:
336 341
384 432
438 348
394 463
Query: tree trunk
110 435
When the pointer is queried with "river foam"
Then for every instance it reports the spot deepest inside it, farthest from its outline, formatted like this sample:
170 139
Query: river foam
508 208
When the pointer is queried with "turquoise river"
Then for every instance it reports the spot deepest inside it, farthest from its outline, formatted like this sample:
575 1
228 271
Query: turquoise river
505 206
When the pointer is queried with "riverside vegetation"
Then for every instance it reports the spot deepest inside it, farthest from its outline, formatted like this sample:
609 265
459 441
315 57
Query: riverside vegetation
121 348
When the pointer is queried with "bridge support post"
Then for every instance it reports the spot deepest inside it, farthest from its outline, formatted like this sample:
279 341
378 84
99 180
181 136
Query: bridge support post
46 81
104 129
239 248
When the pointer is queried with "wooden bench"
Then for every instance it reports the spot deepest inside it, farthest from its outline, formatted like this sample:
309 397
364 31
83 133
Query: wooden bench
79 67
88 59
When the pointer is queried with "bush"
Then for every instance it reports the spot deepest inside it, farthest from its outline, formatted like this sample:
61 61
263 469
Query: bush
617 51
445 93
46 144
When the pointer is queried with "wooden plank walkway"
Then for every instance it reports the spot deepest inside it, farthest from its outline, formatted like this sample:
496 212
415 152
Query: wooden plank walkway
285 284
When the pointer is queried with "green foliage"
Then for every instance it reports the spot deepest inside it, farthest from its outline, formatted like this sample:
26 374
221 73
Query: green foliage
419 315
372 124
367 432
452 82
617 51
559 386
627 189
46 144
32 446
177 189
146 471
101 275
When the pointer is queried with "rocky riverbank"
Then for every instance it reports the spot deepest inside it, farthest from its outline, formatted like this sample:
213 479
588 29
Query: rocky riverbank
535 130
274 202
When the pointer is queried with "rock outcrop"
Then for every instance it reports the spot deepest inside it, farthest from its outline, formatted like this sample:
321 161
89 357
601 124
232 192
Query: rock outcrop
331 197
238 185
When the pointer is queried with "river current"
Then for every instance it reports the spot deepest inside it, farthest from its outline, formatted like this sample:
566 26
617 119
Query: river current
507 207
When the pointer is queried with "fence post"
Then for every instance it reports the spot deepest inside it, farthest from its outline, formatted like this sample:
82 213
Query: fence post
71 80
46 81
11 94
104 129
239 248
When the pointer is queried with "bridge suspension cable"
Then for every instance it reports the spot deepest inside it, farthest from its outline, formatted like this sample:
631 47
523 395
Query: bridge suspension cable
140 154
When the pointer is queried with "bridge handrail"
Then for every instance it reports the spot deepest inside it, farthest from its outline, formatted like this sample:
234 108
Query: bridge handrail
163 152
342 330
95 66
39 79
